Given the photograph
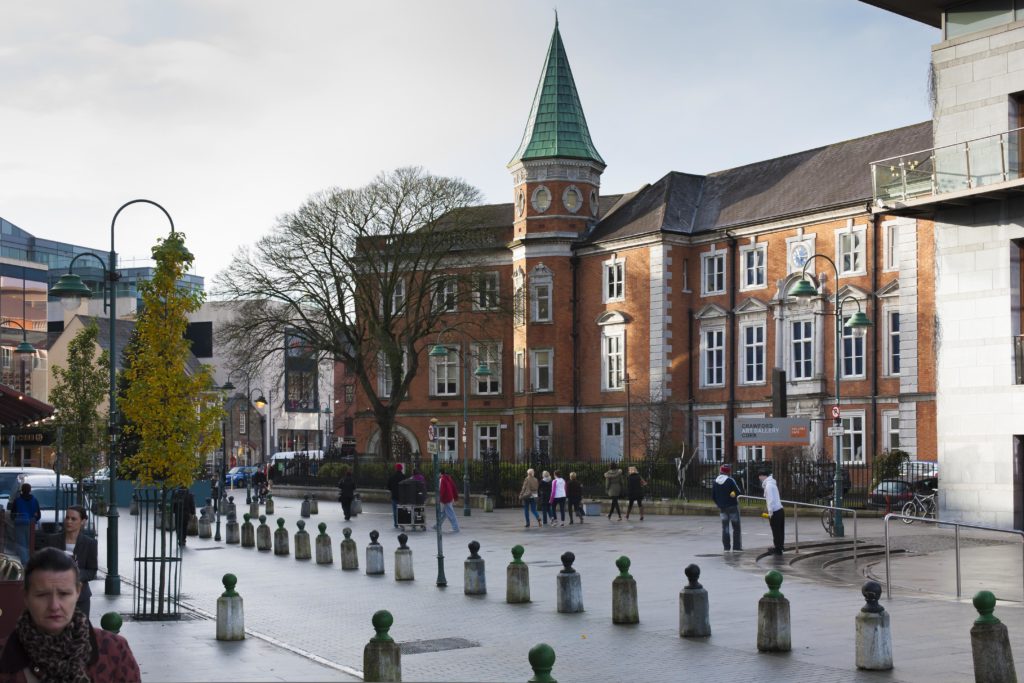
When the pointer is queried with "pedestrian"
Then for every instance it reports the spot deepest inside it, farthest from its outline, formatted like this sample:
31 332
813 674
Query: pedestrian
82 548
544 495
776 517
528 494
635 488
183 505
259 484
448 494
613 487
393 481
418 476
725 493
558 497
347 493
574 491
26 513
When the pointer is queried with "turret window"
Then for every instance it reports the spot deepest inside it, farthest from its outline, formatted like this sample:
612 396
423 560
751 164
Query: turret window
541 199
572 199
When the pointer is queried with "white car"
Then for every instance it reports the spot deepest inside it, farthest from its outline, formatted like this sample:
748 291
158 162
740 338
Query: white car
10 478
44 488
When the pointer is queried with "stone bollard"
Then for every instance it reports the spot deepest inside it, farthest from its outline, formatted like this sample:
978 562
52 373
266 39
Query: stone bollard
382 658
349 552
475 581
232 537
133 507
773 625
990 644
230 617
302 550
374 556
248 532
268 507
193 526
694 610
111 622
304 508
263 535
873 635
542 660
570 586
205 525
314 506
232 509
254 509
324 551
403 560
624 603
281 538
517 578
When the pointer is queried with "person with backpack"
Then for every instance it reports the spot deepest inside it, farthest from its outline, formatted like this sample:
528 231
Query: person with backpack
725 492
26 513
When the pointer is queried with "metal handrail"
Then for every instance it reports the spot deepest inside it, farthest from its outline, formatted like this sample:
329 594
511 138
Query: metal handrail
796 519
956 526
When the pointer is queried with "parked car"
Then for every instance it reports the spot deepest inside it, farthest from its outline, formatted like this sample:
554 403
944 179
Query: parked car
893 493
749 485
45 489
100 476
238 476
10 478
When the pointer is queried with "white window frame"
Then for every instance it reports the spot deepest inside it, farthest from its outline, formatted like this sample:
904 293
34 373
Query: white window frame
754 263
712 356
486 292
535 370
384 380
487 353
620 423
542 434
6 357
445 371
447 438
613 280
892 341
851 240
712 438
758 346
750 453
890 428
489 433
613 357
398 296
890 246
807 343
541 294
520 432
852 438
446 295
519 371
856 346
241 422
713 271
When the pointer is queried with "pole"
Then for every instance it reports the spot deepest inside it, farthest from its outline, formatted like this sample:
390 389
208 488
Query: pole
837 491
441 580
466 510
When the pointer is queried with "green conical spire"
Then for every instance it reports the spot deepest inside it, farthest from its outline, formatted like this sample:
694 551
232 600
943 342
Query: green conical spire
557 126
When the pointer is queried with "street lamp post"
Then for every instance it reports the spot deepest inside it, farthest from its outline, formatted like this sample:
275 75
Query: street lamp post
71 290
23 349
858 323
432 446
260 402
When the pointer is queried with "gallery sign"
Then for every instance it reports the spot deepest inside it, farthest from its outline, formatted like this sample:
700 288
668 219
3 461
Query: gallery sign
772 431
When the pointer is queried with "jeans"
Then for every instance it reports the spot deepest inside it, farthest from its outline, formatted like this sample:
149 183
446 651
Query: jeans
394 512
731 516
559 505
530 507
22 535
448 512
546 510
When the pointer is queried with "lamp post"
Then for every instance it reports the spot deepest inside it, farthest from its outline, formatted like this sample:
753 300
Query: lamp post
23 349
260 402
432 447
71 290
227 388
439 351
858 323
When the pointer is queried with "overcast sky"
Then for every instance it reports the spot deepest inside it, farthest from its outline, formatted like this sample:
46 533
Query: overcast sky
231 113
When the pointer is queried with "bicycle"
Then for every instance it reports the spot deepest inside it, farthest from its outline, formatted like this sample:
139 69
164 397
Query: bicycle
828 517
921 505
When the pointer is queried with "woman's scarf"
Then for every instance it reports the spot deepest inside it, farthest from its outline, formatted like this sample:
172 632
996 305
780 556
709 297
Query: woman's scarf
60 657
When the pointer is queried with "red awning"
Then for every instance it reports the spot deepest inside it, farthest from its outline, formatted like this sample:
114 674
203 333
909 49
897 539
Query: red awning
17 408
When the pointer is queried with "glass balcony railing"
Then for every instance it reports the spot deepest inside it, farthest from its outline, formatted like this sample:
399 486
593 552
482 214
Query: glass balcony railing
960 167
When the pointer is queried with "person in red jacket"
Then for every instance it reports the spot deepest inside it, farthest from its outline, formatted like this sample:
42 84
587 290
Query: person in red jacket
447 494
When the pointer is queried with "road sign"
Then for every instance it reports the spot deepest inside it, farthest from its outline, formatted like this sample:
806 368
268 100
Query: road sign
431 447
836 431
431 435
836 412
784 431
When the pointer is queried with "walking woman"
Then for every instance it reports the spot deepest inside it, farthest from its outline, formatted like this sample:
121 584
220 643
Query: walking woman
558 497
82 548
635 487
528 494
613 487
544 493
574 489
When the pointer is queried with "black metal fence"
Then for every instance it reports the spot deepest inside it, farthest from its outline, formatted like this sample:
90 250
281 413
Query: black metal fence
157 556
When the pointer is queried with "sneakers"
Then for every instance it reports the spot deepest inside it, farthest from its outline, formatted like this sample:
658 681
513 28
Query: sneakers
563 523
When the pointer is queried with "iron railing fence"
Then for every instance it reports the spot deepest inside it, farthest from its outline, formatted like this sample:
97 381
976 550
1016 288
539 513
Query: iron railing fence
157 575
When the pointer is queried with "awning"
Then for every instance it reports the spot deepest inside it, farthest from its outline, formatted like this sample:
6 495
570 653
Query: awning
17 408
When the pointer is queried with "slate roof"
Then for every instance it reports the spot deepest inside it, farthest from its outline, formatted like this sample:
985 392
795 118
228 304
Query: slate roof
123 332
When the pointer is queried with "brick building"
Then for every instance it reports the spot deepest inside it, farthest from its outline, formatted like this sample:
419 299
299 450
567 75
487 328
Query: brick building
652 319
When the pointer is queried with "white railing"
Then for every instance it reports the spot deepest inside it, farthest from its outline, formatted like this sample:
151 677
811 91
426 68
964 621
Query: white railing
796 519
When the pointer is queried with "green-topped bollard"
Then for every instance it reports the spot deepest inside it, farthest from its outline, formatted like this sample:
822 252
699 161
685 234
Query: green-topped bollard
374 556
281 539
269 505
349 552
248 532
990 644
263 543
382 658
230 618
324 551
112 622
872 632
403 560
624 601
773 624
542 660
474 577
302 549
694 610
517 578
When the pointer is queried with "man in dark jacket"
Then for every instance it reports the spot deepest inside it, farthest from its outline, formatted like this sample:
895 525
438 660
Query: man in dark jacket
725 493
184 507
347 493
393 481
26 513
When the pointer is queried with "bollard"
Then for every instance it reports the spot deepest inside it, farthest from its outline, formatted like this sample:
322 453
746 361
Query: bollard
304 508
694 611
254 509
206 523
232 509
570 586
111 622
302 551
248 532
542 660
403 560
990 644
232 537
269 505
314 506
873 635
133 507
773 626
230 617
324 551
382 658
624 603
357 505
349 552
475 581
374 556
517 578
281 538
193 526
263 535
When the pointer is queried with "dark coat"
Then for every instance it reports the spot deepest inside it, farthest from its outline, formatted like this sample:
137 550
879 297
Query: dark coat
574 490
635 486
393 482
111 661
722 492
86 555
544 490
347 488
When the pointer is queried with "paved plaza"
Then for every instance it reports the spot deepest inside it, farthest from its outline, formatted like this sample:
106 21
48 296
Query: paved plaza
308 623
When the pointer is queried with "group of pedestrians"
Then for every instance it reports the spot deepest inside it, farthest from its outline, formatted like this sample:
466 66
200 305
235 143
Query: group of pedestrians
615 483
725 492
551 494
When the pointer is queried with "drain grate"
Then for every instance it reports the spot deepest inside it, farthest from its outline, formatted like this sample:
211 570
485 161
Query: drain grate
183 615
415 647
217 547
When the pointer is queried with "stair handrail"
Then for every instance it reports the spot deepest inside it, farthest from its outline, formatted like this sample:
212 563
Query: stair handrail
796 519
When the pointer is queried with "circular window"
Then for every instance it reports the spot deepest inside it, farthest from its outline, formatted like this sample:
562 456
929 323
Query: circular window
572 199
520 203
541 199
593 202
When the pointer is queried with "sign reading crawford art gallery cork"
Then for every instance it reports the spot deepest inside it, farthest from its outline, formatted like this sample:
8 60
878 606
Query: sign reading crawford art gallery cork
772 431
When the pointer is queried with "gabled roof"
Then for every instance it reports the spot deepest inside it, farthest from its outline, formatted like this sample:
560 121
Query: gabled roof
123 330
556 126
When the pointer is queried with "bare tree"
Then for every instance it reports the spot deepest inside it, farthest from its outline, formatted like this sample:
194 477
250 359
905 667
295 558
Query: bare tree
365 276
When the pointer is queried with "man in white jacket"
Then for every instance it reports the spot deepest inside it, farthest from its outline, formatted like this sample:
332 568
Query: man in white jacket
776 516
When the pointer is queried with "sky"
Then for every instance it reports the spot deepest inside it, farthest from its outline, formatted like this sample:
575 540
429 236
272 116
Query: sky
229 113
